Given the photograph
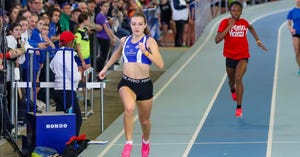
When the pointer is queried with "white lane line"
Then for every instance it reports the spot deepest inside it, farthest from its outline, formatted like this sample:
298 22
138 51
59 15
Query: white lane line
273 103
203 119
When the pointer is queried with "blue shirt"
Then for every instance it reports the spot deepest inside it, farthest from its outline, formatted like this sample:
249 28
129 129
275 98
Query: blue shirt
294 15
132 53
34 40
53 31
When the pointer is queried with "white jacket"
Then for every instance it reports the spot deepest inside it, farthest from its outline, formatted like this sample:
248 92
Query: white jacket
56 65
179 12
12 44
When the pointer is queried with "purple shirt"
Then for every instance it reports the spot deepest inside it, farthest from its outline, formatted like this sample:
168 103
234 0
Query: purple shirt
102 20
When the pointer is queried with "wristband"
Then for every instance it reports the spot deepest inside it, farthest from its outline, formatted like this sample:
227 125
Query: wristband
147 53
258 41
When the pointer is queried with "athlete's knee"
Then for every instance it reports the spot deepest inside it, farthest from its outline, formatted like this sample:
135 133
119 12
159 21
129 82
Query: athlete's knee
238 80
145 122
129 110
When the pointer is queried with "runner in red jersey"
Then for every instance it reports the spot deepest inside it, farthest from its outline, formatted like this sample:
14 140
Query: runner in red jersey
236 50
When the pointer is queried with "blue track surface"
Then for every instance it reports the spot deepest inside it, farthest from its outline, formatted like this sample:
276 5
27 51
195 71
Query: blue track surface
225 135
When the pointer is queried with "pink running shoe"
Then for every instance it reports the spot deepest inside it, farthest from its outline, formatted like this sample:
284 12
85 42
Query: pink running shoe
233 96
239 112
127 150
145 149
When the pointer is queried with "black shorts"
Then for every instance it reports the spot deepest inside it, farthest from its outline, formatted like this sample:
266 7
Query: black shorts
231 63
296 35
143 88
166 22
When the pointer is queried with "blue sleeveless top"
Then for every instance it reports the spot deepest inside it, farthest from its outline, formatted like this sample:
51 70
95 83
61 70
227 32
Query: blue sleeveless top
132 53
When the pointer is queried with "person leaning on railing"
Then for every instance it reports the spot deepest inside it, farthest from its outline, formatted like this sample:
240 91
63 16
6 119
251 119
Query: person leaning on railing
5 54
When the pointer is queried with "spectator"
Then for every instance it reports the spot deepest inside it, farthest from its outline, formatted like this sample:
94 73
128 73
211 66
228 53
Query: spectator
35 6
56 65
91 6
105 36
91 13
42 71
165 17
83 7
46 18
45 36
57 6
93 27
54 27
149 3
133 7
13 13
180 16
32 23
74 19
24 34
25 13
97 9
218 7
64 20
75 4
36 41
125 22
118 20
10 53
83 57
191 31
24 31
14 43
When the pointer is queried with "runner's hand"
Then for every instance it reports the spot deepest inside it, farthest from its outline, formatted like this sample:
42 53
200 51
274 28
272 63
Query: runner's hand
259 43
101 75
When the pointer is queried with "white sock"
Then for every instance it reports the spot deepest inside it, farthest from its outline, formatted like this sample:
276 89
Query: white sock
146 142
129 142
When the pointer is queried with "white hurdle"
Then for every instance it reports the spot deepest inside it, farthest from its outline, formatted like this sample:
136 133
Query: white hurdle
91 111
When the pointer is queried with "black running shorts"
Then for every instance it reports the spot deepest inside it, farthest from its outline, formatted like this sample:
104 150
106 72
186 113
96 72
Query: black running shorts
231 63
143 88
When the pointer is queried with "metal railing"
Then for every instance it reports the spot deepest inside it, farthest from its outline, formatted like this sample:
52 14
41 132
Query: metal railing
30 87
